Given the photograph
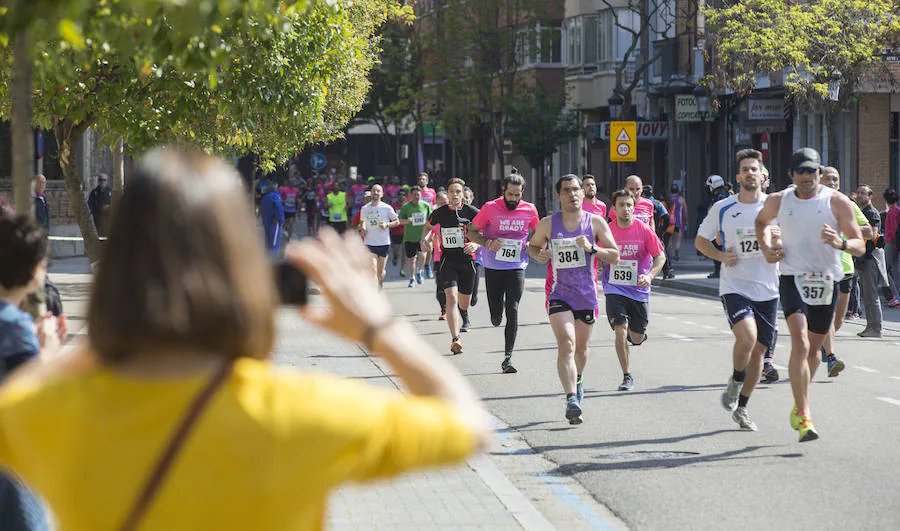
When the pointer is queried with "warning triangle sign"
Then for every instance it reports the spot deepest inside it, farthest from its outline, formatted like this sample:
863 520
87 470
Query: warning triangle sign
623 136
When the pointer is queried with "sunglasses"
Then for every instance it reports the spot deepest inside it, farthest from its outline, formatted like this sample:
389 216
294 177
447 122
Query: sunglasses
801 171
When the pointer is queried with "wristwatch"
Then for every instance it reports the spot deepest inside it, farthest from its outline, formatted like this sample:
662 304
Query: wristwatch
844 245
594 249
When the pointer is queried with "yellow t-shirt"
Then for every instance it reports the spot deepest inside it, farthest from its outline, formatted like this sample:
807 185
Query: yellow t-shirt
263 455
337 207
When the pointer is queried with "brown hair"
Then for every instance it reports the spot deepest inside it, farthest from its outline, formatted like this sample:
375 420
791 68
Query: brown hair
456 180
622 193
748 154
183 267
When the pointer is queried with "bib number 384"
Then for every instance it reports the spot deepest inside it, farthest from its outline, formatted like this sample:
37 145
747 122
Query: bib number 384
816 289
567 254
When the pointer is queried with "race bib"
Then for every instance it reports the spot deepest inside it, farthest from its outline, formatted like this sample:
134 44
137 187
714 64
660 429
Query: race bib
337 217
510 250
290 201
566 254
624 273
748 247
418 219
452 238
373 220
816 289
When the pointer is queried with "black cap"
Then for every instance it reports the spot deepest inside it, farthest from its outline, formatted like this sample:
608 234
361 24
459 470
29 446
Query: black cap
805 158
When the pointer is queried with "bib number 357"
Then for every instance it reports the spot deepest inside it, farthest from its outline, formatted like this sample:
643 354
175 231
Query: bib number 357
816 289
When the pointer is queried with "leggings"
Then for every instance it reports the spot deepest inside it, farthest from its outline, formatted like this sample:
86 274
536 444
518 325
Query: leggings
478 269
439 293
504 291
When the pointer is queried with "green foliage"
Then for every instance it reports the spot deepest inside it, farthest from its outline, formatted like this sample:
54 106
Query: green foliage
810 40
537 125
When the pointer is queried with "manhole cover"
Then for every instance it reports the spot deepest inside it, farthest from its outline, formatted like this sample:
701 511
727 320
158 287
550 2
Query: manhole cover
622 456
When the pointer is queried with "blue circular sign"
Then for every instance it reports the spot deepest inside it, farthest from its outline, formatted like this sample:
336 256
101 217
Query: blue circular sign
317 161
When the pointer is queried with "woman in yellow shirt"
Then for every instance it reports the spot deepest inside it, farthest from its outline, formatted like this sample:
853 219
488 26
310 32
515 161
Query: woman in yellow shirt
185 294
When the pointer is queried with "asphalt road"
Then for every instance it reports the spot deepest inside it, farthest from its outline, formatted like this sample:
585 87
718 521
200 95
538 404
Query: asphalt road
667 455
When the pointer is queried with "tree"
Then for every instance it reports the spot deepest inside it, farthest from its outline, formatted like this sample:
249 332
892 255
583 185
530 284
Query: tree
641 20
812 42
537 127
270 76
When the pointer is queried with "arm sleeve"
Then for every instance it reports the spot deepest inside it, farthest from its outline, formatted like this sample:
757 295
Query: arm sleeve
710 226
535 219
480 219
432 218
403 213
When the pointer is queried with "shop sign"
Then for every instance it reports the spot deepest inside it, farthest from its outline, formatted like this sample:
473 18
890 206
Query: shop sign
686 108
645 130
765 109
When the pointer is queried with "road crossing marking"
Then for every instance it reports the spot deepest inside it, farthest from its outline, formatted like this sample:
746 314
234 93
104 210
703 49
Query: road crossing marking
893 401
678 337
865 369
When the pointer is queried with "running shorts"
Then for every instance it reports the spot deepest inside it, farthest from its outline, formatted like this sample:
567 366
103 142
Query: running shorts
818 318
459 274
738 308
396 239
558 306
846 283
621 310
411 249
380 251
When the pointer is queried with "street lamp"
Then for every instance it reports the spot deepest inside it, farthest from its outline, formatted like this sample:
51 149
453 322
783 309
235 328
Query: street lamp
834 85
615 106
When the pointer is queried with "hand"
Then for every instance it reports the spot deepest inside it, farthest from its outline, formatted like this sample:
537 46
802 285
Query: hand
47 333
470 247
544 256
584 243
644 281
342 267
494 245
383 225
831 237
729 257
774 253
62 328
426 246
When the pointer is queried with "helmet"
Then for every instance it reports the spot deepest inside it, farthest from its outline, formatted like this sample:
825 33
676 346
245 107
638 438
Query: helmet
715 181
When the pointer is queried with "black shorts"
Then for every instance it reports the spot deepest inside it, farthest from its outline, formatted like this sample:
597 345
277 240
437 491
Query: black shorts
339 226
289 216
459 274
846 283
396 239
738 308
411 249
380 251
622 310
818 318
558 306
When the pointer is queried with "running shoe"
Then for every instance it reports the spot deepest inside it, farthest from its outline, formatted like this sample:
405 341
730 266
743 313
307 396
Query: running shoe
507 366
411 283
443 316
868 332
429 271
393 261
402 273
796 419
769 375
742 418
894 303
573 411
419 278
465 326
627 383
806 429
835 365
730 396
579 389
456 347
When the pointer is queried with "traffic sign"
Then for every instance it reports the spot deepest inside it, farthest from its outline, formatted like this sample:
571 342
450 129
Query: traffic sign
317 161
622 141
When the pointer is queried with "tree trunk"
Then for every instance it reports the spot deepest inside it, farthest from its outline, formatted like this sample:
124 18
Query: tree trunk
75 191
20 124
118 176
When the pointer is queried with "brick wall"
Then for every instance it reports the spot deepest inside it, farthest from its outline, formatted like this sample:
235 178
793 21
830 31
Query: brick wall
874 149
60 211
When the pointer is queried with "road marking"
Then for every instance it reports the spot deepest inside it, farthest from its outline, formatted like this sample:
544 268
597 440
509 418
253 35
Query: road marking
563 492
726 332
779 367
864 369
517 503
679 338
893 401
708 327
669 317
896 377
689 322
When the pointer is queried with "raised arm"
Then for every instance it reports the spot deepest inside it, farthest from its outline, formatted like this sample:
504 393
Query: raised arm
609 250
537 245
771 252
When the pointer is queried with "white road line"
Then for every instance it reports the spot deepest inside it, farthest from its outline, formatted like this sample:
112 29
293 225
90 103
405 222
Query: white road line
779 367
893 401
689 322
708 327
678 337
726 332
669 317
864 369
896 377
654 314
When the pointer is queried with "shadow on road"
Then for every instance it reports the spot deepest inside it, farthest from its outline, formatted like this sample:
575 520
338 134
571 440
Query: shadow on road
651 461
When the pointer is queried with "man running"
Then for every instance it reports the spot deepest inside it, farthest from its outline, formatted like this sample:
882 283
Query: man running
429 196
310 199
376 219
457 266
413 215
503 227
289 198
397 202
626 283
469 199
748 284
572 303
591 203
643 208
336 202
812 218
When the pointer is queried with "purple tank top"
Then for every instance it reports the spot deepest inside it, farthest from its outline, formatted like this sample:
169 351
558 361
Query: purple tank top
679 215
571 275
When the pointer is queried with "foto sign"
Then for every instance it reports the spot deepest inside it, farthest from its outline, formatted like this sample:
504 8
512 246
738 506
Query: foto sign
622 141
686 108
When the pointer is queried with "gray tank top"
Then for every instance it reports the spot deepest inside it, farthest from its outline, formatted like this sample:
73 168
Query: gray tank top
801 222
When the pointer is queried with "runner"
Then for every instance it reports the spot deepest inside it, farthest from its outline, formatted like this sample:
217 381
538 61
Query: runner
310 199
832 179
357 196
503 227
457 267
336 203
289 198
591 203
748 284
413 215
572 302
643 209
469 199
812 218
679 221
430 197
440 200
397 232
376 220
626 283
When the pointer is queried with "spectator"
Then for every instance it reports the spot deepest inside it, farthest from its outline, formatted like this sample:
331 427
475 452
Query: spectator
892 245
187 323
272 214
98 203
717 192
871 267
41 207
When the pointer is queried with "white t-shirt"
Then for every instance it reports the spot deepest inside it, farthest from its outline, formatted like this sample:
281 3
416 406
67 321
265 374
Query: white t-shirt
372 216
752 277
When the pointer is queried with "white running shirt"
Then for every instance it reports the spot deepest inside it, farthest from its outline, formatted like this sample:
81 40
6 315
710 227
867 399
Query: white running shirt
752 277
372 215
801 223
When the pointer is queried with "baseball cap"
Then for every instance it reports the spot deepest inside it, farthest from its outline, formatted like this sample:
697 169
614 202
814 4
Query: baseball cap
805 158
715 181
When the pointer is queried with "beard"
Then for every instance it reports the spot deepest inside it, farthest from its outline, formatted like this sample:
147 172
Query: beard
511 205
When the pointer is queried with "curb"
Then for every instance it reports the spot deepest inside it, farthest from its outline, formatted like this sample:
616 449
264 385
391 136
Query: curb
683 285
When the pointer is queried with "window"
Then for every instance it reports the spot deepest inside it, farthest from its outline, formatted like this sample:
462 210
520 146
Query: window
573 39
551 45
590 40
894 139
538 45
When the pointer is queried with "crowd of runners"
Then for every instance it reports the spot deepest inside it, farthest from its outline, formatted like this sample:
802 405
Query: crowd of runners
795 246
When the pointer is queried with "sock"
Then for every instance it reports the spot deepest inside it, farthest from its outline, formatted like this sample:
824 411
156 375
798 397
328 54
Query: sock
570 397
742 400
507 355
627 374
831 357
464 314
738 376
455 338
767 361
579 379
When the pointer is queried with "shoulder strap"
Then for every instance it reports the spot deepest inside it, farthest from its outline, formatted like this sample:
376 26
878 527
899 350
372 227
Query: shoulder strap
163 464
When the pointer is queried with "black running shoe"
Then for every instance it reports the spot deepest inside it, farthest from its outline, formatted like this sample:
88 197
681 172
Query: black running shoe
465 326
769 375
507 366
